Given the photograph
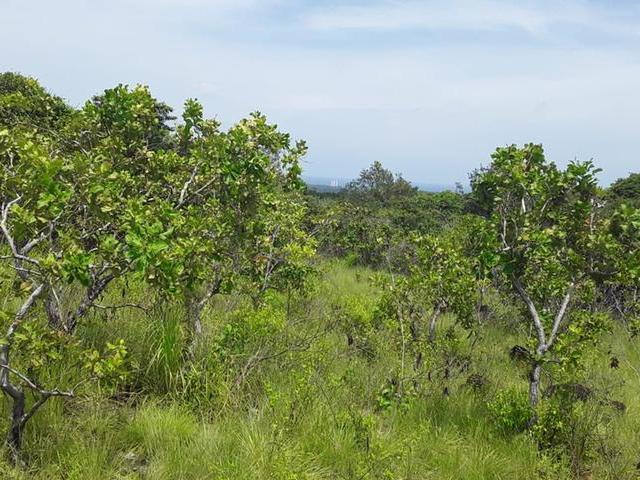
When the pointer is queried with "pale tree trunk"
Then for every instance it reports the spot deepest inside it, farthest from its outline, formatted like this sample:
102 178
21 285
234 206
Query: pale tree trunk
544 342
432 324
534 384
195 302
194 308
432 328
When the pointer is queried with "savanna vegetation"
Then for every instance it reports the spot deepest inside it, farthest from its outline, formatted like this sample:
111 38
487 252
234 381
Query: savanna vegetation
176 304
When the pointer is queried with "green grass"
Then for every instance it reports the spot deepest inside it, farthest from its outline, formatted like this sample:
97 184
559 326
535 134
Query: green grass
279 394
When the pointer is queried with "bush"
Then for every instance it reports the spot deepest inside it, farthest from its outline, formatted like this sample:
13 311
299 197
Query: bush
511 410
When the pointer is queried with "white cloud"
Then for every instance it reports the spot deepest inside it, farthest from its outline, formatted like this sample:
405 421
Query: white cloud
473 15
433 111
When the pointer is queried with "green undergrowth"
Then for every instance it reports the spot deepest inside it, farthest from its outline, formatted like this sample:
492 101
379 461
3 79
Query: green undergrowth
307 386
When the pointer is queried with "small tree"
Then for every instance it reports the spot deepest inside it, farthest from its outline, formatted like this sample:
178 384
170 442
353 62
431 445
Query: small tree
372 219
25 103
446 277
379 186
441 280
626 190
239 193
59 191
622 292
550 242
111 193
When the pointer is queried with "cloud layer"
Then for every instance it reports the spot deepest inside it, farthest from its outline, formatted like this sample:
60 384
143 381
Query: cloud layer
429 88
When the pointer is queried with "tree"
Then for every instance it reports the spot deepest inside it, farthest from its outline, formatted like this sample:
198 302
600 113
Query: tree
622 292
240 196
59 192
357 232
550 241
372 219
626 190
440 280
117 103
378 185
102 200
23 102
446 277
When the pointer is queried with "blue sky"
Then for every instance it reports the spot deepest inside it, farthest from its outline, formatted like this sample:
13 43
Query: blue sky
429 88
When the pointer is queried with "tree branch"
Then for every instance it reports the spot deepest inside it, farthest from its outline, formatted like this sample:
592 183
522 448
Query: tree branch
3 225
185 187
98 285
25 308
561 313
542 340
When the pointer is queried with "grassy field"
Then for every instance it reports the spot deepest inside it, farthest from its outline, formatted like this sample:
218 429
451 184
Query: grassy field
280 393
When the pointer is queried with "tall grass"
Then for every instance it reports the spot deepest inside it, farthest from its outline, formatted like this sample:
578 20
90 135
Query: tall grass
278 393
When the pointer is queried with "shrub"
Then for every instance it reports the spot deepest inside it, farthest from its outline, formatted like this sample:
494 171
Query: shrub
511 410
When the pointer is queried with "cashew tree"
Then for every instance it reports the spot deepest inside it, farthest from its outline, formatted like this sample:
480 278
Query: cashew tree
80 208
441 279
112 193
552 244
239 192
24 102
85 206
445 276
621 293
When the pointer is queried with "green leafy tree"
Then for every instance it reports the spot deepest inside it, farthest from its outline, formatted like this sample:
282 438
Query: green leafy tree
239 192
371 221
621 293
378 185
550 242
447 279
441 280
356 232
112 195
24 102
79 209
120 102
626 190
88 208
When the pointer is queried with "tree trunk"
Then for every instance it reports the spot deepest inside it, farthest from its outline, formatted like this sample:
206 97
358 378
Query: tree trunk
196 319
415 336
15 393
534 392
432 324
17 398
415 330
14 436
53 312
534 384
419 361
194 307
195 302
194 313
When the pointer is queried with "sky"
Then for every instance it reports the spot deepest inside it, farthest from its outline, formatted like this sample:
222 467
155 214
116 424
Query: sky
429 88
